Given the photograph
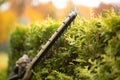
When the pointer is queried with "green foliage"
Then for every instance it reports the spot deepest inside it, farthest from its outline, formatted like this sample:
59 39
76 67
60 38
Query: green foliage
89 50
17 38
3 74
3 65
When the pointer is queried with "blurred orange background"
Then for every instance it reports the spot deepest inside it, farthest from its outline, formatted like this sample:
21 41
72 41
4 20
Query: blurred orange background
26 11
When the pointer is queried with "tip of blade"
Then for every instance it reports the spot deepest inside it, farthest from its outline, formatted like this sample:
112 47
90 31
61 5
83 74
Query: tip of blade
75 10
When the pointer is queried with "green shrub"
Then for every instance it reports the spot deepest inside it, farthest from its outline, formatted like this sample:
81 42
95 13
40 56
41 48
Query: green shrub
88 50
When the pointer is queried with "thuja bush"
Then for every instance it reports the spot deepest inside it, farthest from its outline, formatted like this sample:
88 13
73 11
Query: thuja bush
89 49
